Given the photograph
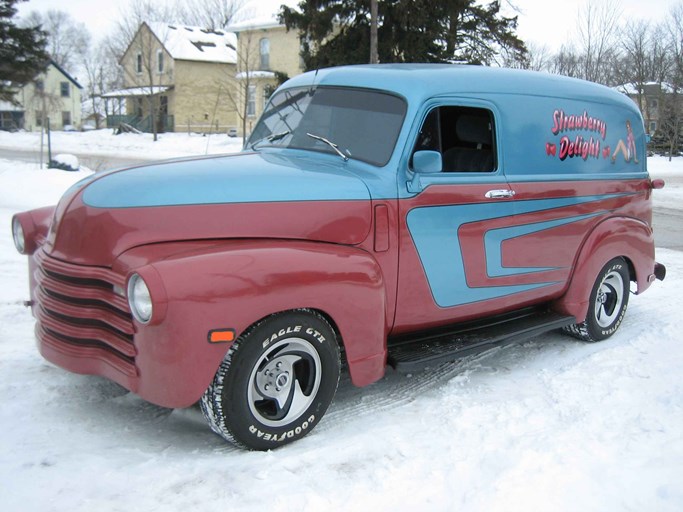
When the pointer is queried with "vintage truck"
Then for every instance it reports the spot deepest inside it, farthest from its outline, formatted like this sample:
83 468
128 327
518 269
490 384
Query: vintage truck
389 215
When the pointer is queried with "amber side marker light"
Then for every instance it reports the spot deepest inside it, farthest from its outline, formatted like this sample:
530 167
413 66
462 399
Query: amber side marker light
221 335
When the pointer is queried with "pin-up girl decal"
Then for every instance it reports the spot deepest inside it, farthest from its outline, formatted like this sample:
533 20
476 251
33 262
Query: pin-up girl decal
628 149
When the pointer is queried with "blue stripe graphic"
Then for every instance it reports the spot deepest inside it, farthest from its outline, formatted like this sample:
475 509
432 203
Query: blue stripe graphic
434 230
493 241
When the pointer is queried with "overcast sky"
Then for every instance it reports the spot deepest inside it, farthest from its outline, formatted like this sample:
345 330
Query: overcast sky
548 22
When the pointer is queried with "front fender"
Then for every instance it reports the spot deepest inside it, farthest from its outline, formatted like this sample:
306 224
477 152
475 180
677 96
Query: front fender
618 236
230 285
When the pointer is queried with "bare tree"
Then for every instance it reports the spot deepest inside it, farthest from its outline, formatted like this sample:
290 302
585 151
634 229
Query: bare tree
539 57
240 88
44 101
211 14
565 62
130 19
103 74
635 43
597 28
67 40
673 107
658 60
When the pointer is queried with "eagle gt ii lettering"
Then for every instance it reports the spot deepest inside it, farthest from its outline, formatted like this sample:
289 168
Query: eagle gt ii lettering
392 215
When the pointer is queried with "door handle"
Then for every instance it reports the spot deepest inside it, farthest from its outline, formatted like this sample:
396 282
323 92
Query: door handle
499 194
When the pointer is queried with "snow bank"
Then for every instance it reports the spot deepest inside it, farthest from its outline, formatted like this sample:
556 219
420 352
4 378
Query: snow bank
106 143
552 424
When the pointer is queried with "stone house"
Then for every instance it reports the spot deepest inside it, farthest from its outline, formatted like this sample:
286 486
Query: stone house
179 73
53 95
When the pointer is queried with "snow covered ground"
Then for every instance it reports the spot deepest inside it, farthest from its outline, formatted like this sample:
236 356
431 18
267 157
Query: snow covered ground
552 424
126 145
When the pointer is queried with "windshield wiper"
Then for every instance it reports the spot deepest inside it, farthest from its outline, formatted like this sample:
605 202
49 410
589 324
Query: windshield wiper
271 138
329 143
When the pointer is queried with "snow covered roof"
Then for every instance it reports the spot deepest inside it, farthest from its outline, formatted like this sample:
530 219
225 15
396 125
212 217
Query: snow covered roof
255 74
135 91
632 89
259 14
196 43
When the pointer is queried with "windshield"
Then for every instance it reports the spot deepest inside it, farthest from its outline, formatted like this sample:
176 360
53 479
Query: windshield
362 124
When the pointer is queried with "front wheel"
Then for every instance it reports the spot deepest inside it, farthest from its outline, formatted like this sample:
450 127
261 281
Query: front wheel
276 381
607 306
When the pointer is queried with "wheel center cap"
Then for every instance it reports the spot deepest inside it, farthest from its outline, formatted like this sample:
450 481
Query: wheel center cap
282 380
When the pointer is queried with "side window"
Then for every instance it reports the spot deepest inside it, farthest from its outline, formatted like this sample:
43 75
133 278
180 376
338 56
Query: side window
264 51
463 135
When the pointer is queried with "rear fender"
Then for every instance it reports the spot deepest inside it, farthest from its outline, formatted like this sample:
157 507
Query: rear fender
618 236
232 285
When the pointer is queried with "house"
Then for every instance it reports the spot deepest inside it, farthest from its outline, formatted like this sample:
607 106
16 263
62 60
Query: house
181 75
652 101
267 53
53 95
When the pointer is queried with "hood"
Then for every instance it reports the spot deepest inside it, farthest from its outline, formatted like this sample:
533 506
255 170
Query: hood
247 195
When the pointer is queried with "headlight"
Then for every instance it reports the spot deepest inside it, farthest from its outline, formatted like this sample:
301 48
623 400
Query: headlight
18 235
139 299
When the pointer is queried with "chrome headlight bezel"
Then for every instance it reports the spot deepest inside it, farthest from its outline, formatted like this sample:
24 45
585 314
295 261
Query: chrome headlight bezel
140 299
18 235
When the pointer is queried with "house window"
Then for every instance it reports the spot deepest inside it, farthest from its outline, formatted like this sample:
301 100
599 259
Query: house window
39 118
11 120
653 103
653 127
64 89
66 118
138 63
251 101
40 85
264 51
160 61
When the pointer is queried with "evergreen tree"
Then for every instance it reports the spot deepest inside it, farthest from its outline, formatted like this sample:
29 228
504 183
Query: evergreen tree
22 52
336 32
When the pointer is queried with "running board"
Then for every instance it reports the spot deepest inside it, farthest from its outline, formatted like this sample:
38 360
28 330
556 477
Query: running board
417 351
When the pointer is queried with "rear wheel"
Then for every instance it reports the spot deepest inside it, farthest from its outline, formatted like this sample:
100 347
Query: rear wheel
276 381
607 306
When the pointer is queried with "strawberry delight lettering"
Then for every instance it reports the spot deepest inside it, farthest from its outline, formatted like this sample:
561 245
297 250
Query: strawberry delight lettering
578 146
564 123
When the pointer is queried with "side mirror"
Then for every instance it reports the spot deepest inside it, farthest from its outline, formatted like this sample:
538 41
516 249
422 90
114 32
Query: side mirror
424 162
427 162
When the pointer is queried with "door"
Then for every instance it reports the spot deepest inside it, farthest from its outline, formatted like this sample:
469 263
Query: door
454 225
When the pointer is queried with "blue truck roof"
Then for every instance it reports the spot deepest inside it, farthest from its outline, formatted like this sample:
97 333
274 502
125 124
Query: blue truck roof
417 82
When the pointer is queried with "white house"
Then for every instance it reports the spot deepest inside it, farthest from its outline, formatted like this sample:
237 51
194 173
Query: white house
53 95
